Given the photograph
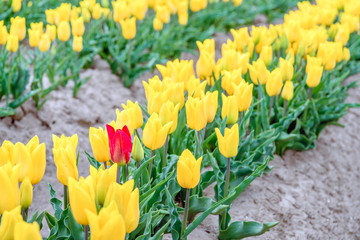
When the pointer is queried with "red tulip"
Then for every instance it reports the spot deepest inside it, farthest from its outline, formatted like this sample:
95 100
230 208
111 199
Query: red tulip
120 144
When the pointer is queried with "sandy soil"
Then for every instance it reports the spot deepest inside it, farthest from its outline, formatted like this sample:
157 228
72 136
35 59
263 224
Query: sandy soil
313 194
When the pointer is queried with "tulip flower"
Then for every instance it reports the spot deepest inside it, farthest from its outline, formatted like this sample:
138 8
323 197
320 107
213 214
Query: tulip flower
266 55
241 37
16 5
196 113
121 11
183 18
63 31
314 76
26 193
157 24
96 14
211 105
77 44
127 201
131 116
259 72
154 134
44 43
82 197
34 37
18 27
65 158
100 144
12 43
137 150
229 109
169 113
51 31
286 69
188 176
24 231
243 94
205 65
139 9
3 33
9 187
120 144
195 87
288 91
78 27
102 179
108 224
9 220
128 28
229 142
188 170
274 83
229 78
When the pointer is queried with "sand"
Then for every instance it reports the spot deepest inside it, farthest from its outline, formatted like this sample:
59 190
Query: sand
313 194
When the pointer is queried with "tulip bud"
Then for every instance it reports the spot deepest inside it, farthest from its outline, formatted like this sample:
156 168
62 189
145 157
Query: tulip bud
229 142
120 144
243 94
100 144
24 231
139 9
77 43
63 31
196 113
137 150
128 28
12 43
105 3
288 91
274 84
44 43
78 27
229 109
188 170
157 24
163 13
85 13
211 105
16 5
154 134
314 76
266 55
26 193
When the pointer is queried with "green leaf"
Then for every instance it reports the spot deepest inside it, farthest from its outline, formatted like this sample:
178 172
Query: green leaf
92 161
55 202
240 230
76 229
38 218
201 204
174 215
161 231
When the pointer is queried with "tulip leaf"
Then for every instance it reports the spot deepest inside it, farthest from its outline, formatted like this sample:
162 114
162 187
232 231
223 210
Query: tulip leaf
240 230
160 232
139 171
201 204
38 218
147 232
55 202
76 228
7 111
174 215
50 219
92 161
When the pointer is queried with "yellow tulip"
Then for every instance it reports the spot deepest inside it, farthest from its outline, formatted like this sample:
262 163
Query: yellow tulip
6 151
243 94
241 38
259 72
25 231
3 33
175 91
287 69
96 14
188 170
82 197
274 83
154 134
128 28
197 5
195 87
346 54
314 76
64 12
211 105
229 142
139 9
51 31
162 13
156 100
312 61
135 114
77 43
169 113
50 16
102 179
121 10
12 43
63 31
229 109
196 113
34 38
179 71
183 18
78 27
127 201
108 224
288 91
9 220
85 13
266 55
343 35
26 193
44 43
9 187
157 24
18 27
205 64
39 26
229 78
65 158
16 5
137 150
100 144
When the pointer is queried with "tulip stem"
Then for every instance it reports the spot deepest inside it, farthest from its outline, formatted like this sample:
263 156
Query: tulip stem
309 93
127 172
270 107
199 144
65 197
9 80
151 163
105 165
118 174
227 181
25 213
240 117
186 212
165 152
86 232
285 107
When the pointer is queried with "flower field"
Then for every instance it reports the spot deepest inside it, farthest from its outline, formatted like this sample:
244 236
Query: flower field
176 160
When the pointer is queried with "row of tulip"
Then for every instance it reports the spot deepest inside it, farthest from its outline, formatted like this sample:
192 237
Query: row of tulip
272 89
70 36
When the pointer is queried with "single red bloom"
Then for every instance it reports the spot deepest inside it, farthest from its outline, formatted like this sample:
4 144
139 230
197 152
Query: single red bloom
120 144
